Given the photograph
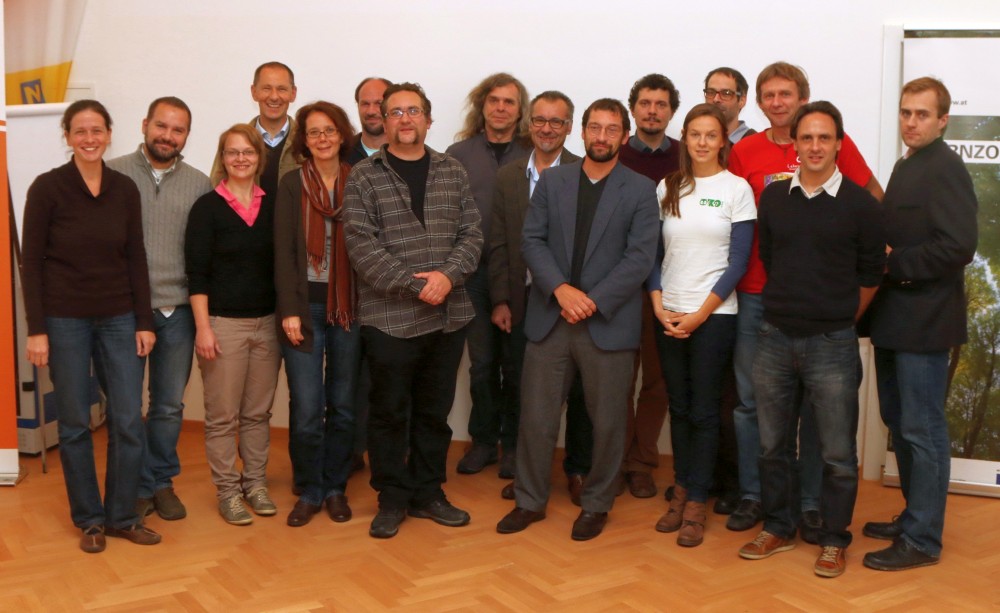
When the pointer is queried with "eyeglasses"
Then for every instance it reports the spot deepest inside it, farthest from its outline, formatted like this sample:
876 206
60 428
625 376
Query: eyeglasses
555 122
232 154
412 111
725 94
315 133
595 129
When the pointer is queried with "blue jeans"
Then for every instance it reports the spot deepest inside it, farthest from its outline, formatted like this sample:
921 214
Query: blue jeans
824 367
912 388
321 442
71 343
751 311
488 399
169 370
694 369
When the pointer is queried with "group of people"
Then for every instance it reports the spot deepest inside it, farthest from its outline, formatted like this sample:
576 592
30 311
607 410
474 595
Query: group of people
731 269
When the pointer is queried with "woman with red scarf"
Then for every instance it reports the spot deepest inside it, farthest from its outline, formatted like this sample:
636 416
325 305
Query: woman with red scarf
315 310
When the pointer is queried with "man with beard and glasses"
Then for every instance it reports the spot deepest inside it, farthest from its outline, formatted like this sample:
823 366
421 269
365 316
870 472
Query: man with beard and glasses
589 241
368 96
168 188
727 88
494 134
650 152
412 231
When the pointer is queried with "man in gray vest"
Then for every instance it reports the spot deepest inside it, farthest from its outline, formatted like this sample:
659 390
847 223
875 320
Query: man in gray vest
168 188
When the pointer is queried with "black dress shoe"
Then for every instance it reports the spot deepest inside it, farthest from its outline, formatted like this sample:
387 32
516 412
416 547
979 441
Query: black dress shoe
575 486
477 458
386 523
901 555
302 513
507 493
508 464
337 508
442 512
588 525
886 530
518 520
746 515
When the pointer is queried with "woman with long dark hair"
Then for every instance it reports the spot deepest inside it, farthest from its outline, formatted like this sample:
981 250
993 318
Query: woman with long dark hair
320 341
707 225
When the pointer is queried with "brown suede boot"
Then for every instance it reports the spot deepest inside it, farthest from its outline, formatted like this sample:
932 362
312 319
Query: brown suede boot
693 528
671 520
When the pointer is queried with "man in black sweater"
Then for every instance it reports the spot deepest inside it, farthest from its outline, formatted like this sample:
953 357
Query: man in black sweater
919 316
822 244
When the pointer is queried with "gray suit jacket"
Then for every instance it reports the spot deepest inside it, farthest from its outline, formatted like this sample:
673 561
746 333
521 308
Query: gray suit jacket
506 265
618 257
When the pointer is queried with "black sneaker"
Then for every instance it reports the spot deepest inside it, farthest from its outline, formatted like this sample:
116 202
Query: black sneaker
810 526
386 523
746 515
442 512
901 555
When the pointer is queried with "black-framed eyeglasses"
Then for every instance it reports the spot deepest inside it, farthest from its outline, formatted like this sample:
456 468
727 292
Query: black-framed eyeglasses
554 122
725 94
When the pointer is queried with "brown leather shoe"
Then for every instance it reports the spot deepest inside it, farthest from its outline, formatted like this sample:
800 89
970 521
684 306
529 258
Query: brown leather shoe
518 520
507 493
692 531
832 561
640 484
302 513
588 525
672 519
137 533
92 540
765 545
575 485
337 508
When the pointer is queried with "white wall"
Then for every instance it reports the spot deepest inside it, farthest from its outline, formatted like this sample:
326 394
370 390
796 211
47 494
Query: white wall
132 51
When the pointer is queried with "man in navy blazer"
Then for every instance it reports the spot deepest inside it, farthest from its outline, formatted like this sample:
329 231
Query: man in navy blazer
589 240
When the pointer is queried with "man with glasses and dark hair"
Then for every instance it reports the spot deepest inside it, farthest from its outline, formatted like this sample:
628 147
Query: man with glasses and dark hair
551 119
494 134
589 240
727 88
650 152
412 232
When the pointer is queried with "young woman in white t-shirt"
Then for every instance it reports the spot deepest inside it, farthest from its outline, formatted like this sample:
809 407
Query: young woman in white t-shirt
707 226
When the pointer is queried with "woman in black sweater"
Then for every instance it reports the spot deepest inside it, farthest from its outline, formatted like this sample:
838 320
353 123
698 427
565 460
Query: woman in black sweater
86 292
229 253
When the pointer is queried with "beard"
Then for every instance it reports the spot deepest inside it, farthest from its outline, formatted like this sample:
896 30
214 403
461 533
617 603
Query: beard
157 155
377 130
602 157
650 131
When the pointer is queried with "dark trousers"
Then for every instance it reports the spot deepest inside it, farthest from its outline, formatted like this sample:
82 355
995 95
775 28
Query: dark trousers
413 381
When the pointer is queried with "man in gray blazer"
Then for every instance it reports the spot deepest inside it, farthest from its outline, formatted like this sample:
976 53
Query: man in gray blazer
589 240
551 119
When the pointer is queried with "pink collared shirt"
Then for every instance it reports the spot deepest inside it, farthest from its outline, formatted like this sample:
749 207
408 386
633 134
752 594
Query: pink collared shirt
248 215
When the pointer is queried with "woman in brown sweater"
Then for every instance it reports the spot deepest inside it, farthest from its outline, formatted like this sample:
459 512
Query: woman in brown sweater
86 291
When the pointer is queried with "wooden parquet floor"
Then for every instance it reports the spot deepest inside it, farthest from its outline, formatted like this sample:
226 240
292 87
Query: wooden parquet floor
204 564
